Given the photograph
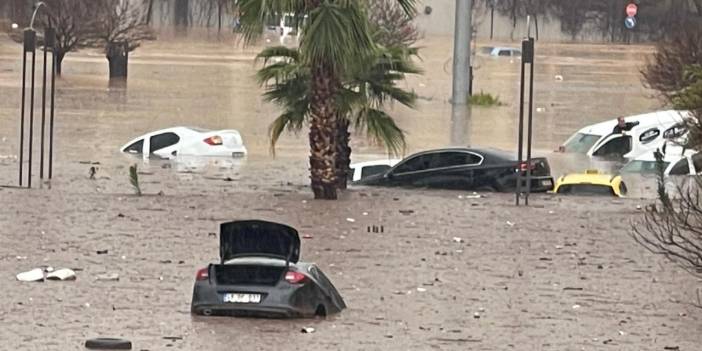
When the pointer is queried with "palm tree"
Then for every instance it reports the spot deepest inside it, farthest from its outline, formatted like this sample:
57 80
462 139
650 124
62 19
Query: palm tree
360 100
335 40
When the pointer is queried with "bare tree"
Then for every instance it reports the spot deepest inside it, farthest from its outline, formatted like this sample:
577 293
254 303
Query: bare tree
673 228
119 26
70 18
390 24
665 71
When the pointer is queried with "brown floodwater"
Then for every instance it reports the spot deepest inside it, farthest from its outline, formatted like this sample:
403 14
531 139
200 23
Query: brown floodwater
210 83
514 278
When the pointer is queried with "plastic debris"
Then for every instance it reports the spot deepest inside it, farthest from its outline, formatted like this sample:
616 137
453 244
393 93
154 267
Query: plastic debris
350 220
457 239
35 275
575 307
62 274
421 289
308 330
558 78
510 224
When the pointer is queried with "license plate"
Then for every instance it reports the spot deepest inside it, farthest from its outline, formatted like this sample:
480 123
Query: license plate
237 154
546 183
242 298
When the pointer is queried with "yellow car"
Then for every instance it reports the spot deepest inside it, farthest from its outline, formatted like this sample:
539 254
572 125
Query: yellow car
591 182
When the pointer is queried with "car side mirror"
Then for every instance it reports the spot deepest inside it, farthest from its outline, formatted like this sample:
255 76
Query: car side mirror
388 175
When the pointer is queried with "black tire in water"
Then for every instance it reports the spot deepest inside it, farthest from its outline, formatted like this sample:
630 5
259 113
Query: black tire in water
108 344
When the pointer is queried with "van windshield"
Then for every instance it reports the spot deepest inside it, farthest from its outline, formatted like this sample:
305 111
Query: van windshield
643 167
581 143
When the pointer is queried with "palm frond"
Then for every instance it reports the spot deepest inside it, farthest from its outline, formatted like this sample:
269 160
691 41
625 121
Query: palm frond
337 34
293 121
283 52
381 128
254 14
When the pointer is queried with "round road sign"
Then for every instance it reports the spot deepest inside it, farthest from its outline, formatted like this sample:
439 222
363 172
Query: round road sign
632 10
630 22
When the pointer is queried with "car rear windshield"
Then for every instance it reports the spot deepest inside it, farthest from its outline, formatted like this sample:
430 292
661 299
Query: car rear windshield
231 274
586 189
643 167
581 143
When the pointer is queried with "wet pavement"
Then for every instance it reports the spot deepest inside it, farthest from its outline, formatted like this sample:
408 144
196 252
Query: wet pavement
535 280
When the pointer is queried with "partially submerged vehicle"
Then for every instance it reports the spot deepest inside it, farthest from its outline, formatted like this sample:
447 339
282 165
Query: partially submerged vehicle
368 168
188 141
676 161
592 182
260 275
648 133
463 168
498 51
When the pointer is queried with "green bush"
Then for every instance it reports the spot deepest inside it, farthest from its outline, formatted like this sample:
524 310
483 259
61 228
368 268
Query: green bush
484 100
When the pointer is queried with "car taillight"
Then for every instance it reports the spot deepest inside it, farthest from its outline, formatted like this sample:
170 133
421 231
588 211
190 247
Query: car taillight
523 166
293 277
203 274
214 140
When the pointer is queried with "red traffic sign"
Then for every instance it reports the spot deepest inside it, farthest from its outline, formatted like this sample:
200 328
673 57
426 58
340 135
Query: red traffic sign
632 10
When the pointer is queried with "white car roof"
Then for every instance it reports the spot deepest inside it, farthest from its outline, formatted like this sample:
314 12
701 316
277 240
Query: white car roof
388 162
645 120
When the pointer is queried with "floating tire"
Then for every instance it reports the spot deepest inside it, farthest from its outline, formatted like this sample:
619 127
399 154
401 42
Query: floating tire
108 344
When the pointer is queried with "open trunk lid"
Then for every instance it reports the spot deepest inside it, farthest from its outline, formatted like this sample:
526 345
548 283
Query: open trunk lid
258 238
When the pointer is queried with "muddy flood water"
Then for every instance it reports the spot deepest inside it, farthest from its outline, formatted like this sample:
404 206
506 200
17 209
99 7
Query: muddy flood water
562 275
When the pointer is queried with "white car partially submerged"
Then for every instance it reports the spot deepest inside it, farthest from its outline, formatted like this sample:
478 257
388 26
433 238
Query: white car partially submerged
187 141
676 161
651 130
364 169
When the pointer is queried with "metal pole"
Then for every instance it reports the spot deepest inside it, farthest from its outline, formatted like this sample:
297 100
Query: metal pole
520 146
461 52
529 127
43 113
51 109
24 98
31 122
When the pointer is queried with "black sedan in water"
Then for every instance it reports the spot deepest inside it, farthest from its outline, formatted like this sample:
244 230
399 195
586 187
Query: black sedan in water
464 169
260 275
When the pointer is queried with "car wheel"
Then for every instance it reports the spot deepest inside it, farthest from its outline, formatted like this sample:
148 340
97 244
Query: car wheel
321 311
108 344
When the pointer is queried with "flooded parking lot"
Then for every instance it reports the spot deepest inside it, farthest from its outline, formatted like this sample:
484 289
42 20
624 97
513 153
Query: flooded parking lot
533 279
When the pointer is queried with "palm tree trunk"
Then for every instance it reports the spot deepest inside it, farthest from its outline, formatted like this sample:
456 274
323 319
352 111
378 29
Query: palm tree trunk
323 126
343 152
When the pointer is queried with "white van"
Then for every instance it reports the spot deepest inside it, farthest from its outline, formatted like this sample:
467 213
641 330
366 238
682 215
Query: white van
649 133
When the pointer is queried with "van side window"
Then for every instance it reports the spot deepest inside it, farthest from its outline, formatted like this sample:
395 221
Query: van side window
680 168
616 147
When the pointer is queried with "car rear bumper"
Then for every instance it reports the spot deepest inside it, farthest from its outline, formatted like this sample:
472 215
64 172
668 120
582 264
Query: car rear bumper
538 184
247 310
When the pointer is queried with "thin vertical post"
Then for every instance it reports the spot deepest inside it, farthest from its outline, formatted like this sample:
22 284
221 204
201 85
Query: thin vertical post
520 145
31 120
530 120
49 42
24 93
43 113
51 108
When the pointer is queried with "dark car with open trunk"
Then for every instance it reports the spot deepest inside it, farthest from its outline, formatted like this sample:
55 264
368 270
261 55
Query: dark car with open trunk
260 275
